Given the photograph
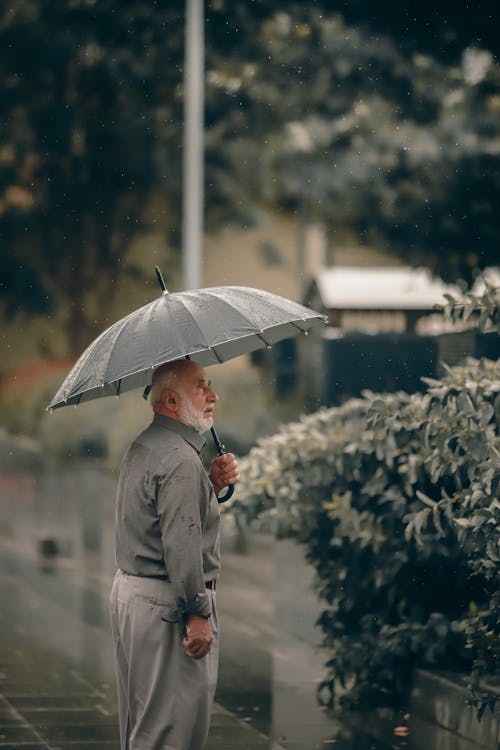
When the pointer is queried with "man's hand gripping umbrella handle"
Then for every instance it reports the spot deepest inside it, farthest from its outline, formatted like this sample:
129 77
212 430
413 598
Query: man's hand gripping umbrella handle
221 450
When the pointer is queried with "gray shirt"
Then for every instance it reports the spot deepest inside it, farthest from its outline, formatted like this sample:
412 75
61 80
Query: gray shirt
167 515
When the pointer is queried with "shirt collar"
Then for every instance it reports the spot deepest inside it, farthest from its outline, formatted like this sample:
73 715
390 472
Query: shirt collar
189 434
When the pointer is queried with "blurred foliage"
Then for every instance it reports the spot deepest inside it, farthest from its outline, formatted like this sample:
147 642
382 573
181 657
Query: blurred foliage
483 308
376 118
483 626
437 29
404 148
395 498
81 102
100 429
23 401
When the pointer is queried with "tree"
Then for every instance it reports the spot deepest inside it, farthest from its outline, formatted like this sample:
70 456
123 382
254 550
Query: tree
92 107
361 125
89 108
382 120
442 30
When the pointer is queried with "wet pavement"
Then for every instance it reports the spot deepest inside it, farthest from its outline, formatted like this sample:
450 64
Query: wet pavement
56 669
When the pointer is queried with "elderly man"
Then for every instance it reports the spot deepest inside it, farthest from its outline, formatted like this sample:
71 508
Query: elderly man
163 613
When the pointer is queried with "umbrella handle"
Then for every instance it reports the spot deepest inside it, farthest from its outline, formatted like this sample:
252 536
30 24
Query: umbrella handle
221 450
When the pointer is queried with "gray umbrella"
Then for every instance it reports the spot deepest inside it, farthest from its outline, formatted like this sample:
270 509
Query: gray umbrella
209 326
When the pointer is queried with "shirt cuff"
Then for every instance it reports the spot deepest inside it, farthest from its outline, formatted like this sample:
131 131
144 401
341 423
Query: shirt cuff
199 605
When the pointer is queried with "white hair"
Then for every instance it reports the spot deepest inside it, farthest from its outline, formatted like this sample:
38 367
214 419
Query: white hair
165 377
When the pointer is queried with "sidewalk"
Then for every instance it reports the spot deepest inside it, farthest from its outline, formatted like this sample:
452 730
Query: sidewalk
57 685
56 667
48 703
64 710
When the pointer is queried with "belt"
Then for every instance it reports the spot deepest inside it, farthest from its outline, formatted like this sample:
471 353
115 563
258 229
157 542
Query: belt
208 584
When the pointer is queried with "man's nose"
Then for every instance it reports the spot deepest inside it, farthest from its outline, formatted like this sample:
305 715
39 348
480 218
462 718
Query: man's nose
212 396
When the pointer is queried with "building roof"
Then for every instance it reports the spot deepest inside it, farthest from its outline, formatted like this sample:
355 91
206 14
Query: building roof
381 288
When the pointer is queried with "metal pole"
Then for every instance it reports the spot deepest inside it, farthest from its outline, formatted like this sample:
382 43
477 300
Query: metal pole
192 207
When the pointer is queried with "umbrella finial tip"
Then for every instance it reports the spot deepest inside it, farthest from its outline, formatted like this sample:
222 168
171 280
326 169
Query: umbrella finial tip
161 280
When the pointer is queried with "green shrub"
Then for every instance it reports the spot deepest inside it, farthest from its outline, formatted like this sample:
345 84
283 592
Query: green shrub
480 520
483 309
395 498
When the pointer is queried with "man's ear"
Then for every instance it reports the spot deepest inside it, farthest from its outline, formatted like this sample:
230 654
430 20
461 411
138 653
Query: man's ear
170 399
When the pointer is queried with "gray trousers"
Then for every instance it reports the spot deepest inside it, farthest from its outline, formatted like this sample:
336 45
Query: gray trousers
164 697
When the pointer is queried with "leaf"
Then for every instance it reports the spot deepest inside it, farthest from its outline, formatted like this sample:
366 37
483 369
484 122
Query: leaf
464 403
421 519
464 522
468 309
437 519
425 499
409 531
492 552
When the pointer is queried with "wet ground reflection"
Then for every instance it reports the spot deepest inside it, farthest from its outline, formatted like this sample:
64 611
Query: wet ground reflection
56 570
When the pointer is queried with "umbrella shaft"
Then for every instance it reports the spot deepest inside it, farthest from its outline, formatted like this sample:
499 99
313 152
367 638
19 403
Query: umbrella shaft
221 450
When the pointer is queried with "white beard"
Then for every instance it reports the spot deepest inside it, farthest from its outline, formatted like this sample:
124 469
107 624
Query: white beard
193 418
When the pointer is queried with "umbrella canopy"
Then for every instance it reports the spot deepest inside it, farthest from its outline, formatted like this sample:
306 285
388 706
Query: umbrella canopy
209 326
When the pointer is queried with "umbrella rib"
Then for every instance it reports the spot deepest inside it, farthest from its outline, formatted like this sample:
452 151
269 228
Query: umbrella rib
200 330
233 308
210 347
207 345
302 330
219 359
228 303
120 330
261 337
